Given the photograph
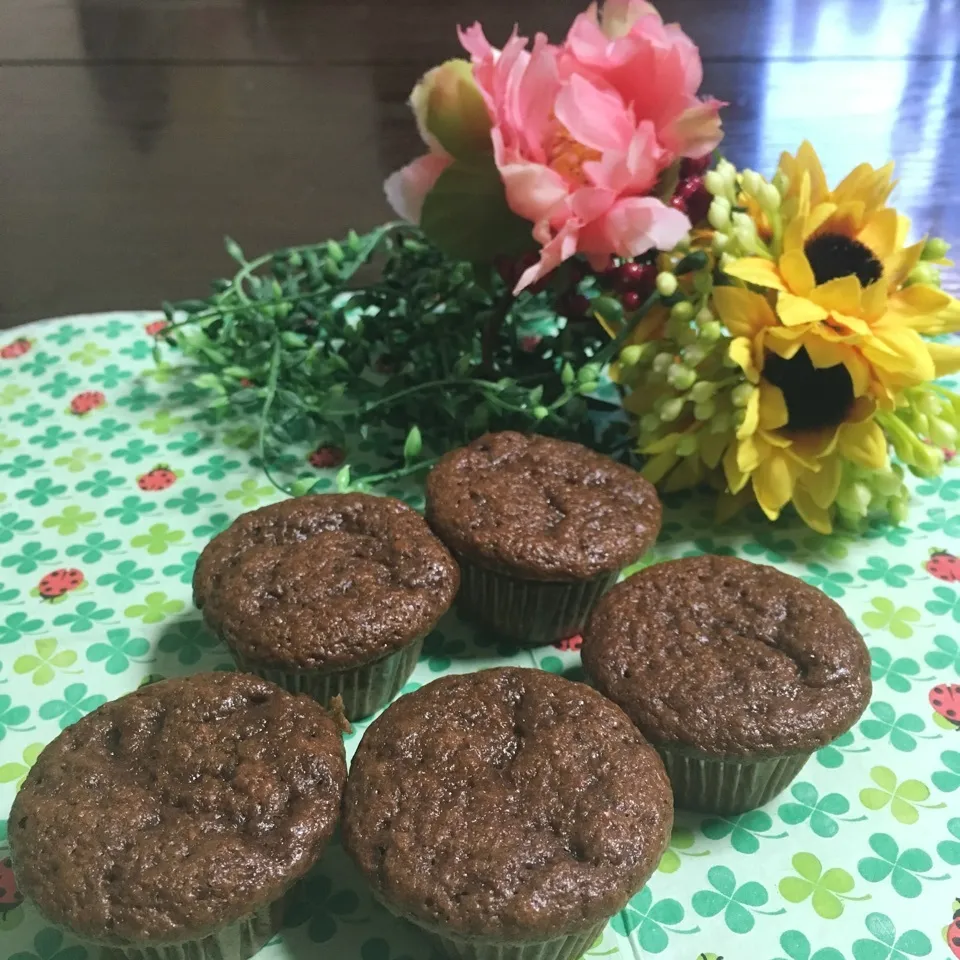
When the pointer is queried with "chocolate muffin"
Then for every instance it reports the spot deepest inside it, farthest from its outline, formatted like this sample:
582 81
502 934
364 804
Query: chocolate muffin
510 812
734 671
169 823
328 595
541 529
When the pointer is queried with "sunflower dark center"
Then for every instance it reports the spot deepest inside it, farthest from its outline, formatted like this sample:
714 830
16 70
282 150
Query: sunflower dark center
815 397
832 255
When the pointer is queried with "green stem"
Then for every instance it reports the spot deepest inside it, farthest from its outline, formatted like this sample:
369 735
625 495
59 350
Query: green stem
607 353
271 388
406 471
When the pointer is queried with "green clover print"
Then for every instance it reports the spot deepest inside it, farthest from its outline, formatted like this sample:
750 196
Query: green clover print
904 798
183 570
886 615
16 773
47 945
316 901
110 376
161 423
190 444
11 392
51 438
138 350
42 492
100 484
135 451
126 577
70 520
250 493
12 717
119 650
189 640
946 780
88 354
64 334
949 850
681 840
78 460
215 524
9 596
32 415
158 539
31 555
112 329
17 625
85 617
894 575
737 903
93 548
829 888
438 649
20 466
652 920
769 548
899 674
946 655
190 501
886 945
155 608
832 583
822 812
39 363
948 602
949 490
797 947
216 467
939 519
10 523
243 436
60 385
745 831
130 510
42 665
905 869
901 730
73 706
106 430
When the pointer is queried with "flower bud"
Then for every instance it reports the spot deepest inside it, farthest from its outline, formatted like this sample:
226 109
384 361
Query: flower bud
719 215
687 445
711 332
897 509
649 423
715 183
727 171
782 182
705 410
666 284
631 356
855 498
720 242
927 460
704 316
694 355
702 391
935 248
770 197
682 311
924 273
670 409
449 107
752 181
540 413
662 361
681 377
942 433
741 394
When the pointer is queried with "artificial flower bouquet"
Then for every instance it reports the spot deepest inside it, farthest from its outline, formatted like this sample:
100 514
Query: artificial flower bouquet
571 226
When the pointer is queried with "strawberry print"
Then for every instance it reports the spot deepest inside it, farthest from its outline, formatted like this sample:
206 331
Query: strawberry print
324 457
945 699
58 583
570 643
155 327
15 349
159 478
10 896
84 402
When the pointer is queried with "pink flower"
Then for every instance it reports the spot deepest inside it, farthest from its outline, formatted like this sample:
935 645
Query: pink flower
580 134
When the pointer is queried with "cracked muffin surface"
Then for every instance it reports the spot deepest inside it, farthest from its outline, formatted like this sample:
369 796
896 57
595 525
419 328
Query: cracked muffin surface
729 658
509 803
541 508
324 582
177 809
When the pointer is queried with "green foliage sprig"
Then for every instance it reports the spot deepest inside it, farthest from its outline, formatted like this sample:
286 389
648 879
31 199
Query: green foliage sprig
324 343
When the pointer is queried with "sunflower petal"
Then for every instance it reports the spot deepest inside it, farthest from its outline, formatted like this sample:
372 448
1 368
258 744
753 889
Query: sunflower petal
736 478
751 416
822 486
794 311
772 407
741 352
797 273
756 270
841 294
811 513
743 312
773 484
880 232
946 358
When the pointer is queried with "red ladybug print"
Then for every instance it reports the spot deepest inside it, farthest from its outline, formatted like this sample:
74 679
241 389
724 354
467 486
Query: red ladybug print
953 931
159 478
59 582
324 457
156 327
10 896
570 643
84 402
945 699
943 565
16 349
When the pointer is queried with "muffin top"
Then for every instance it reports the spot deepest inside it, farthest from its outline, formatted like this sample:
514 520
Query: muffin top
178 808
540 508
328 581
728 657
508 803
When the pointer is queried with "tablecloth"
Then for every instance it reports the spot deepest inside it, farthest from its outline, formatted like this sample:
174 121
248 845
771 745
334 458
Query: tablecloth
114 473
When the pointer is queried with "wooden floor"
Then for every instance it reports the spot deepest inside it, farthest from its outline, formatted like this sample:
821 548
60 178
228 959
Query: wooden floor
135 133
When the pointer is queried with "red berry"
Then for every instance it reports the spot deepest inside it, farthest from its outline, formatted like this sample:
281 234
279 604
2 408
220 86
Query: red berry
630 300
85 402
630 274
691 167
159 478
59 582
326 456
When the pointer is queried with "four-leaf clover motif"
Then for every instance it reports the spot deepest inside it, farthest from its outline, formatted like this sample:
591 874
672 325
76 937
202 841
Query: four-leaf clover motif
72 706
904 798
42 665
822 812
118 650
886 945
651 920
886 615
155 608
905 868
737 903
745 831
828 889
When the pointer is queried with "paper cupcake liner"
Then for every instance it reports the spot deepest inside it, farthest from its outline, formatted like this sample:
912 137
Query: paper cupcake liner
728 786
532 613
364 689
237 941
571 947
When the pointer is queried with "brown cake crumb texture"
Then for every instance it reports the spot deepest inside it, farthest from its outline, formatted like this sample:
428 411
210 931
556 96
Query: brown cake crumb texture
728 658
509 804
177 809
325 582
541 508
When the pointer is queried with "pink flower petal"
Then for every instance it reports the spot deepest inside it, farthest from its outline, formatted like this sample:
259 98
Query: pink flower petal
407 187
560 248
696 132
534 191
635 225
594 117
